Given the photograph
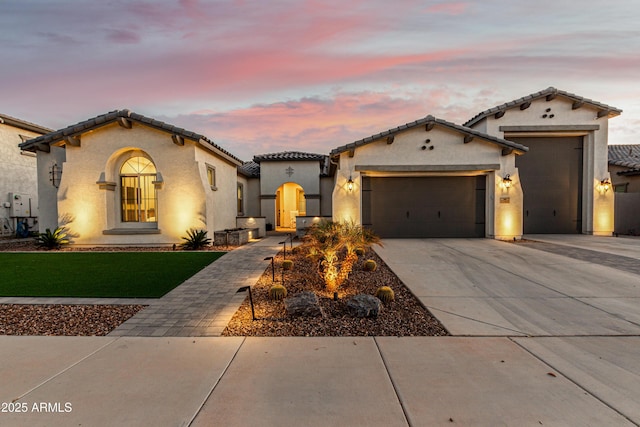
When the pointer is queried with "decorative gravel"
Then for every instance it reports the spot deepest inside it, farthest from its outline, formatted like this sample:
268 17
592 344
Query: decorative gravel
69 320
403 317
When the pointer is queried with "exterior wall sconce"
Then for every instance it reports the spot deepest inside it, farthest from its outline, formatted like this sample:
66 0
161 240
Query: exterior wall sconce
506 181
604 186
55 175
350 184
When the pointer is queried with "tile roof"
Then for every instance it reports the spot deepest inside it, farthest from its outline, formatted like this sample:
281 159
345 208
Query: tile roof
288 155
550 91
627 156
111 117
250 169
23 124
323 159
424 121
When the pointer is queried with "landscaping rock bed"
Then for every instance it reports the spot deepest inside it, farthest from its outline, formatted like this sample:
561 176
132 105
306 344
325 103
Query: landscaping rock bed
68 320
403 317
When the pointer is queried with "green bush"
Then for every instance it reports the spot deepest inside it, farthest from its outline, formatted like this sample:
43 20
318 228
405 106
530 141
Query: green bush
195 240
385 294
52 240
277 292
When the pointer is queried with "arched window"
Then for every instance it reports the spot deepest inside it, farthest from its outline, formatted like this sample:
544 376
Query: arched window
138 198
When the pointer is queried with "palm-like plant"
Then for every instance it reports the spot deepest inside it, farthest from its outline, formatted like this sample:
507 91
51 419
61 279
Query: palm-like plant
195 240
334 245
52 239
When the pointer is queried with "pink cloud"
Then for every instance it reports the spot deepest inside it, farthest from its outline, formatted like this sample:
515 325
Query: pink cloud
310 124
457 8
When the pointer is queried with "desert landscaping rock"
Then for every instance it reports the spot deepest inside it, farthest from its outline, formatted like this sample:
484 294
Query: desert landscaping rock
66 320
363 305
405 316
305 304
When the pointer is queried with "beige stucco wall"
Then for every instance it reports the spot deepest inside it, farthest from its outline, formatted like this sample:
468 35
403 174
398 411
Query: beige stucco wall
632 181
273 174
251 196
18 170
503 220
597 209
185 199
47 193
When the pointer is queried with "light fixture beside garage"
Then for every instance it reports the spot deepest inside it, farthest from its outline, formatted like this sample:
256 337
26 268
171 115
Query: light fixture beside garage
506 181
350 184
604 186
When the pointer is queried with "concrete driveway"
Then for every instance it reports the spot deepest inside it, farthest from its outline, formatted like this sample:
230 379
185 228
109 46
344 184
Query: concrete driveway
483 287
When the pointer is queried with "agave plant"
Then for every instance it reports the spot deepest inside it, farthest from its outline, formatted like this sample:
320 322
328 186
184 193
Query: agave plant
52 239
334 246
195 240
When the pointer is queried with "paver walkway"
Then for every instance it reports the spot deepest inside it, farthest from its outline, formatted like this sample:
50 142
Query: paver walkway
203 305
620 262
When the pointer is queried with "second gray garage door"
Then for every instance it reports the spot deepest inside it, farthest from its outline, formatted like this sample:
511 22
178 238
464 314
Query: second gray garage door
551 175
424 206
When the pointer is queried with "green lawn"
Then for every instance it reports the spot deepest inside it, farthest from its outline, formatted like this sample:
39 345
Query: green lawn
98 274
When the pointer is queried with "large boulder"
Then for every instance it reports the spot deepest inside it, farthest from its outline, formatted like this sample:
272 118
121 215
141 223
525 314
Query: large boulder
303 304
363 305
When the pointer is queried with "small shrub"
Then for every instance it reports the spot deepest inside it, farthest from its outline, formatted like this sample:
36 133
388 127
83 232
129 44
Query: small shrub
277 292
52 240
385 294
287 264
195 240
370 265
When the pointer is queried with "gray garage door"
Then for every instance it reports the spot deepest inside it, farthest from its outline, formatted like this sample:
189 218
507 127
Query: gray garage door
551 176
424 206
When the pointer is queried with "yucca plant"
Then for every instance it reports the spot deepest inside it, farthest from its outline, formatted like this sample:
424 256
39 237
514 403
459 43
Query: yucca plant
333 245
195 240
52 239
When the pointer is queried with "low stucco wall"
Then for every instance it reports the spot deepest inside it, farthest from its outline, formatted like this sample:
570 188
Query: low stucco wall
626 213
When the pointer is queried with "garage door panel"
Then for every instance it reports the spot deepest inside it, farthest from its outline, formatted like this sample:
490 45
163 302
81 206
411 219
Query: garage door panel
425 207
551 177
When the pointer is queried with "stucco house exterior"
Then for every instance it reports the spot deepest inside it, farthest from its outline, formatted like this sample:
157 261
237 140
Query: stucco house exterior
537 164
127 179
563 172
18 176
533 165
624 167
292 187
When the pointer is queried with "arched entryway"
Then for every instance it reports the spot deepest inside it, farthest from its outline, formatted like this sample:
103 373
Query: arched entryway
290 203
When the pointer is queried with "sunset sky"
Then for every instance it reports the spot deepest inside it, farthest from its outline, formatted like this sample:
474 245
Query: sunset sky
266 76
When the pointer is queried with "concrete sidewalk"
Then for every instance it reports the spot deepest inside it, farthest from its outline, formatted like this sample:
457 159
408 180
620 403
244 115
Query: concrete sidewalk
351 381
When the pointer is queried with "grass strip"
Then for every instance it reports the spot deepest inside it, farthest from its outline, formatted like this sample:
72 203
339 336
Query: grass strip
98 275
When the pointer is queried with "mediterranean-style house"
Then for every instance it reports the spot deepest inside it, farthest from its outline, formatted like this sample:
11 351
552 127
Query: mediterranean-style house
624 167
18 177
534 165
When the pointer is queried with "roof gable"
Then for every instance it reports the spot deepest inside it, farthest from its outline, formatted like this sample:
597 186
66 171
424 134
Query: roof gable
549 93
429 122
123 116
